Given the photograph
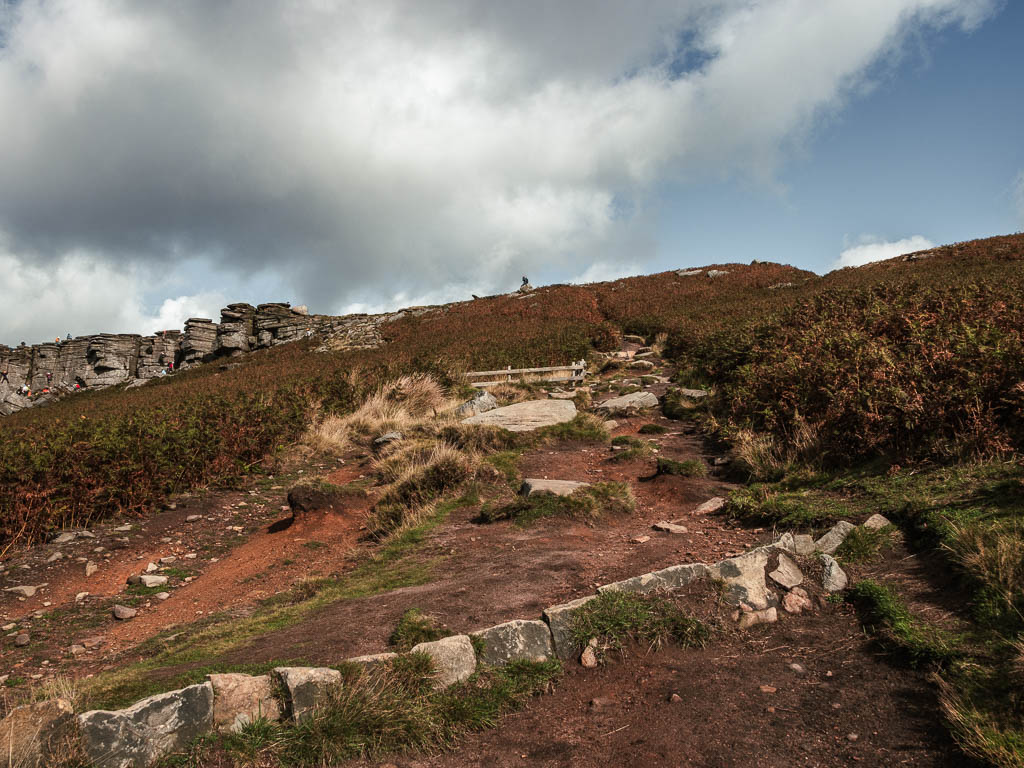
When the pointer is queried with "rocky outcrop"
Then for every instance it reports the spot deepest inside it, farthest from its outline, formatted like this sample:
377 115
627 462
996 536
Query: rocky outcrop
527 416
58 368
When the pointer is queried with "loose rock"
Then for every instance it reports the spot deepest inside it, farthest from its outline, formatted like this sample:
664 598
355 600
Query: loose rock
454 659
834 578
787 574
123 612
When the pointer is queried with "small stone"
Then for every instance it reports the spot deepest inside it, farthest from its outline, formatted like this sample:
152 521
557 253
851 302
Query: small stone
796 600
55 557
91 642
876 521
768 689
8 627
152 567
750 618
76 649
589 657
667 527
852 737
123 612
64 538
162 595
22 640
602 703
834 578
190 556
81 596
640 539
123 528
798 668
710 506
193 518
168 560
675 698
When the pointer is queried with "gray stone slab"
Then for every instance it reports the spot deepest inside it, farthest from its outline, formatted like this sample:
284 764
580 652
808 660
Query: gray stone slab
454 659
635 401
876 521
518 640
140 735
532 485
834 578
307 688
801 544
242 699
673 577
527 416
830 542
787 574
559 620
744 579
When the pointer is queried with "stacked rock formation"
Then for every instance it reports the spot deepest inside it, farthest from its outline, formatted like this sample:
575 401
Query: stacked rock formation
105 359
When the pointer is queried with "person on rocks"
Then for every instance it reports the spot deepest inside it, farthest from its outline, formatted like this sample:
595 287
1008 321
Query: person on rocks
68 338
170 366
525 281
49 378
3 377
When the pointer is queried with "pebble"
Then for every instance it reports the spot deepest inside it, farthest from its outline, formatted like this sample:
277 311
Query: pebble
768 689
162 595
640 539
90 568
55 557
798 668
190 556
152 567
123 528
193 518
8 627
589 656
675 698
81 596
168 560
852 737
22 640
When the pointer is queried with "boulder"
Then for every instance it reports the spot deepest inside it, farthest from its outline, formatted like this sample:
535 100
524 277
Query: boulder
308 688
22 591
876 521
387 438
527 416
151 580
833 579
35 735
123 612
634 401
535 485
787 575
140 735
559 620
483 402
744 579
514 641
694 394
673 577
830 542
241 699
454 659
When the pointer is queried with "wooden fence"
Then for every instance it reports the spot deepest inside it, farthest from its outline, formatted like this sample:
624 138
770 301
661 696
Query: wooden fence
577 372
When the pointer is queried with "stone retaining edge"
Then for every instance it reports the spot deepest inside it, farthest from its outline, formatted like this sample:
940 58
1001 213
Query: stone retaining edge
139 735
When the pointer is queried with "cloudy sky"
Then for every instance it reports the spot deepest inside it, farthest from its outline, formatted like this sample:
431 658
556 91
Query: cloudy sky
160 159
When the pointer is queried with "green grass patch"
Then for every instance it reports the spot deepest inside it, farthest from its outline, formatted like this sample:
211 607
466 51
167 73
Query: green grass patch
313 544
803 509
652 429
586 505
584 428
864 545
885 616
632 448
507 462
616 618
688 468
413 628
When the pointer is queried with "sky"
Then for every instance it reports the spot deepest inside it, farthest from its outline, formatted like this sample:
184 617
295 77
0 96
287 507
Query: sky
161 160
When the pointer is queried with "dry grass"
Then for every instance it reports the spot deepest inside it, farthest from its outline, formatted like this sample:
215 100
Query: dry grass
979 733
400 405
993 553
769 459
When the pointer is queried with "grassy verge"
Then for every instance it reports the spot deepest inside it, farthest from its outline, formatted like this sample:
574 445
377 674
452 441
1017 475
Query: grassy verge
586 504
413 628
631 448
688 468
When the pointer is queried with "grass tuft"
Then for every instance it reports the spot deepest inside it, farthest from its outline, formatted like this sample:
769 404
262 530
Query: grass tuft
885 616
414 628
614 618
586 505
688 468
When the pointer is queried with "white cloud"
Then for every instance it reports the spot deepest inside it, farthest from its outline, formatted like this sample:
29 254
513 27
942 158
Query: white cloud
363 151
871 249
80 294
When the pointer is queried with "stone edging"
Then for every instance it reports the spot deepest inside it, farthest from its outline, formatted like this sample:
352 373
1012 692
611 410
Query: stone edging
139 735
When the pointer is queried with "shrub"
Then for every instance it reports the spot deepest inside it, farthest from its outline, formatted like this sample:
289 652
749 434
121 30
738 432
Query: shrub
652 429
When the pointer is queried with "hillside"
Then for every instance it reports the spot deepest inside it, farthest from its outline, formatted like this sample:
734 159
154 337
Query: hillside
742 428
